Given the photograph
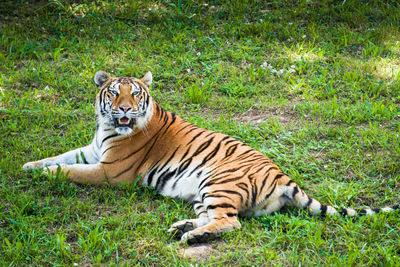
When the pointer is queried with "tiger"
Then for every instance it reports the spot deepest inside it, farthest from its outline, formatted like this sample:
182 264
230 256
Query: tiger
136 140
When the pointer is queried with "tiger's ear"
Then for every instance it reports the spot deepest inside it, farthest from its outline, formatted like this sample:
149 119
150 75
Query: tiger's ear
101 77
147 79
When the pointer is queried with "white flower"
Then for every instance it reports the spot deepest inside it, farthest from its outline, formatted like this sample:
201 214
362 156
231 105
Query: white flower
291 71
198 53
188 70
264 65
292 66
304 36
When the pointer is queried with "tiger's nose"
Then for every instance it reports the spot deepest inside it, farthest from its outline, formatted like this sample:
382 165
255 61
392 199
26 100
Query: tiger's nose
125 108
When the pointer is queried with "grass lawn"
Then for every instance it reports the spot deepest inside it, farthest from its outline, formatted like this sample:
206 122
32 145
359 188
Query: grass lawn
314 85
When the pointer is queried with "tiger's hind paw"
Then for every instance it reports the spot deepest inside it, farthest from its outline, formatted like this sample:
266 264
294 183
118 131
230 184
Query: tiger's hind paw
194 237
181 227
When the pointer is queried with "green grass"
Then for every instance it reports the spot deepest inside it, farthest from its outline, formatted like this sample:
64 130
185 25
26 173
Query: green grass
314 85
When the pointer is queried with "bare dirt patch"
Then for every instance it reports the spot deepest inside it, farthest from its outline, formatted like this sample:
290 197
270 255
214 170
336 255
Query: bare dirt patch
285 115
200 252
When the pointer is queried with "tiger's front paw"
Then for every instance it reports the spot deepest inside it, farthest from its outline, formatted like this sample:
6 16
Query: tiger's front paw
31 165
181 227
37 164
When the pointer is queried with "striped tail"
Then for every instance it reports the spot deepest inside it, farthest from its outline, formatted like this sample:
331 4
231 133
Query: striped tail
300 199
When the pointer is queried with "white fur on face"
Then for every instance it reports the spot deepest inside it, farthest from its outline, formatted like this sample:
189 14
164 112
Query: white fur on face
140 117
124 130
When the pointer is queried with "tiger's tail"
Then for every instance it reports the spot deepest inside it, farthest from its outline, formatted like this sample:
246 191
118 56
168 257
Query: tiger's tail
298 198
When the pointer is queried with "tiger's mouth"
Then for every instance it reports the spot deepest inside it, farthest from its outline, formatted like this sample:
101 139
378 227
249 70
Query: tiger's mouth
124 122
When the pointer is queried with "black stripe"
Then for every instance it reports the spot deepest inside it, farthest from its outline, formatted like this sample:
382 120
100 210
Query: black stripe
362 211
148 152
194 128
295 191
376 210
218 181
184 165
343 211
270 193
108 148
241 185
151 175
215 196
209 156
183 128
104 100
223 139
186 152
290 182
203 147
230 141
147 100
170 158
228 180
278 176
108 137
197 135
202 212
163 113
244 187
206 184
323 209
100 100
254 195
231 150
231 214
246 152
309 202
203 181
164 178
212 154
229 192
229 170
211 133
264 182
223 205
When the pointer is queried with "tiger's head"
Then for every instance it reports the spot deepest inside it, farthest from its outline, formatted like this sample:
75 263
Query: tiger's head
123 102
